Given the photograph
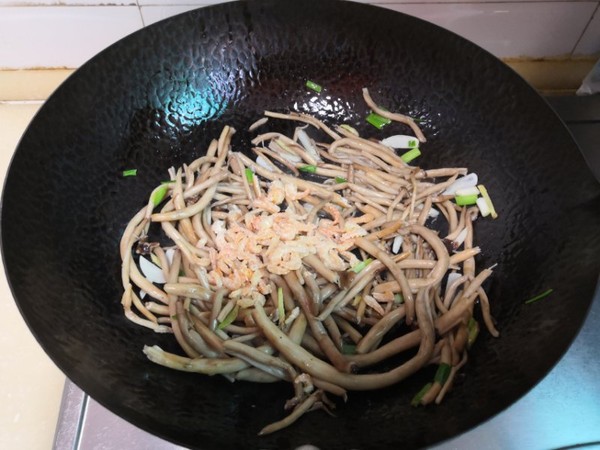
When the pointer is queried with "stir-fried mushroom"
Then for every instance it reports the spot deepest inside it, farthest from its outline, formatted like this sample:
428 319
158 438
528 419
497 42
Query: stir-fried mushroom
272 275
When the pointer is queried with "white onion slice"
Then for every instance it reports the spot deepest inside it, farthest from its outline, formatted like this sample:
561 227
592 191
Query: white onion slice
433 213
401 141
142 294
264 162
169 253
465 182
467 191
484 209
290 157
460 238
152 271
397 244
452 276
307 144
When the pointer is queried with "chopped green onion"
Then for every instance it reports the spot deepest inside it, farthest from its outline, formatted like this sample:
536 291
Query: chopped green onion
313 86
361 265
130 173
410 155
348 349
413 143
249 175
159 194
280 305
174 317
539 297
340 180
229 318
472 332
465 200
167 182
488 200
308 169
377 121
443 371
417 398
398 299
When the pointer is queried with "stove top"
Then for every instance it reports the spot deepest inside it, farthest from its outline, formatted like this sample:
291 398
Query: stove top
561 412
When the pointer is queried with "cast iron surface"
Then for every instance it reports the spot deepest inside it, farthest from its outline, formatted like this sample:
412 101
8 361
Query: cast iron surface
156 99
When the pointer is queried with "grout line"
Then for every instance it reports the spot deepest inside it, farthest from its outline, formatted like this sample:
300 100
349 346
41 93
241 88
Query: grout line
587 25
81 422
137 2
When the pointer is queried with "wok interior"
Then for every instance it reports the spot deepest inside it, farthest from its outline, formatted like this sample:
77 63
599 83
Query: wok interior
157 98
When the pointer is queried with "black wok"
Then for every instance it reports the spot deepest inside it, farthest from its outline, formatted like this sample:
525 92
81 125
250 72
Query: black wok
157 97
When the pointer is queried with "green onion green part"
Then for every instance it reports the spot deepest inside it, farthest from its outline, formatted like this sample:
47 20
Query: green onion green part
410 155
229 318
398 299
280 305
174 317
348 349
130 173
465 200
413 143
443 371
472 332
308 169
377 121
361 265
249 175
340 180
417 398
313 86
159 194
540 296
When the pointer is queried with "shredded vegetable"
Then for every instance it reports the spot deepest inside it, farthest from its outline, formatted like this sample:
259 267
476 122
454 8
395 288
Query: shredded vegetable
313 263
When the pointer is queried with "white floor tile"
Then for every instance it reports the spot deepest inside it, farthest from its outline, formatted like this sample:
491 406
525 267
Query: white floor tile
514 29
153 14
178 3
65 36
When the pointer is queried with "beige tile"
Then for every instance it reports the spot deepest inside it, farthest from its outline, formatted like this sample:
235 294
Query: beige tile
30 84
66 36
553 76
30 384
512 29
